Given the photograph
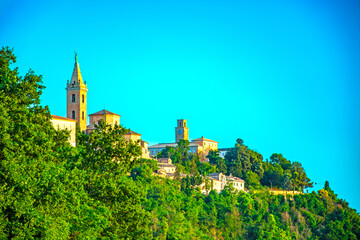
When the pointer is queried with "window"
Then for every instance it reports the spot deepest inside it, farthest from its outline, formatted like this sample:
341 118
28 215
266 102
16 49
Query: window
115 122
83 98
83 115
73 116
73 98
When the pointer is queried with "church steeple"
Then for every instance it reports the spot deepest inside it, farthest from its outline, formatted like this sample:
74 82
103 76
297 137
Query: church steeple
76 76
77 97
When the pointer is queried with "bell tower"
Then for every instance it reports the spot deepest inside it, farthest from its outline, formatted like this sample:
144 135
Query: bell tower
181 131
76 97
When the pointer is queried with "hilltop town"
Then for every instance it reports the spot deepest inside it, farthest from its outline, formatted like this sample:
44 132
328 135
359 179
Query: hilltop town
76 99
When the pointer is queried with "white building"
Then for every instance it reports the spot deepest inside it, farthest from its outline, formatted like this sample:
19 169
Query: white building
218 181
223 151
62 123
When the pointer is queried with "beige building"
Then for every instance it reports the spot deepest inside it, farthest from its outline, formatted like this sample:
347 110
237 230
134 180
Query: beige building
218 182
105 115
155 149
61 123
134 137
166 168
237 183
207 145
77 97
114 119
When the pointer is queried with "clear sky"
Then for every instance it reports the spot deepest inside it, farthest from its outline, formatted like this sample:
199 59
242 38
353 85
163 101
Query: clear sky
283 75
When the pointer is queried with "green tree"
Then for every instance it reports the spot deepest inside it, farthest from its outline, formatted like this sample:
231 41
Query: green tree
39 196
107 158
219 162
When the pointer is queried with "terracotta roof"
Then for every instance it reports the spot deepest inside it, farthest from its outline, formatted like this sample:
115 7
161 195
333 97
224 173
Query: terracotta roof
102 112
132 133
62 118
203 139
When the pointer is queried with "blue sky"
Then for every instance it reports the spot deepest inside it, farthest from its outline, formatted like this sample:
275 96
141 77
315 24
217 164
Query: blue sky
282 75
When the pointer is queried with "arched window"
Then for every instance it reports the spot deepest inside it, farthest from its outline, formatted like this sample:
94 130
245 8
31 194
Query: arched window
73 98
115 122
83 98
73 116
83 114
99 122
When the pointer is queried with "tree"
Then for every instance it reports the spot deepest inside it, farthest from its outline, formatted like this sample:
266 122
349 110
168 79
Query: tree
181 154
168 152
300 179
219 162
40 197
105 151
107 158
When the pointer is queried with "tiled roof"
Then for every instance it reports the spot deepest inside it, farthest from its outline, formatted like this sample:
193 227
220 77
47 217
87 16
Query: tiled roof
203 139
62 118
102 112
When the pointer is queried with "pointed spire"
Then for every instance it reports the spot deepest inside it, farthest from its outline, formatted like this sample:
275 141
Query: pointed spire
76 76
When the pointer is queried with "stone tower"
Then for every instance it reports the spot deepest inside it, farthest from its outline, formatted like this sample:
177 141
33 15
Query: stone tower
181 131
76 97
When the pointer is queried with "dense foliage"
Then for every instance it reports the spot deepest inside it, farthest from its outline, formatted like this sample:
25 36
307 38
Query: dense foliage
101 189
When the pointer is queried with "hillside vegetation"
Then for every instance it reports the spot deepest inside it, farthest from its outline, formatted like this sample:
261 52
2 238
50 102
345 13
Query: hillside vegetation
102 190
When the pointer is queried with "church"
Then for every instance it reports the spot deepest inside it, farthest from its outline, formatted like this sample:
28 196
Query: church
76 99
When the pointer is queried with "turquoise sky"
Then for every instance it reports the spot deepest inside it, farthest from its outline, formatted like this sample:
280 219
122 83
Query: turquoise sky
282 75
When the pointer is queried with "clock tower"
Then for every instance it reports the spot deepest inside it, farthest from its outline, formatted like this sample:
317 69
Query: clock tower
181 131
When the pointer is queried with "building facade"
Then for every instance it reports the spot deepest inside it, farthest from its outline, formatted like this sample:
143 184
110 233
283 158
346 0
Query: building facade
155 149
76 97
105 115
218 181
207 145
166 168
113 119
61 123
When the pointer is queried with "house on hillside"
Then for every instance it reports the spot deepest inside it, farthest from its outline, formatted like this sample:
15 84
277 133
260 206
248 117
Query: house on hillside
219 181
166 168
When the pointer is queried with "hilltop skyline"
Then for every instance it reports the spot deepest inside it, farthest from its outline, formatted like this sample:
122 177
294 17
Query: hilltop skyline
283 76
